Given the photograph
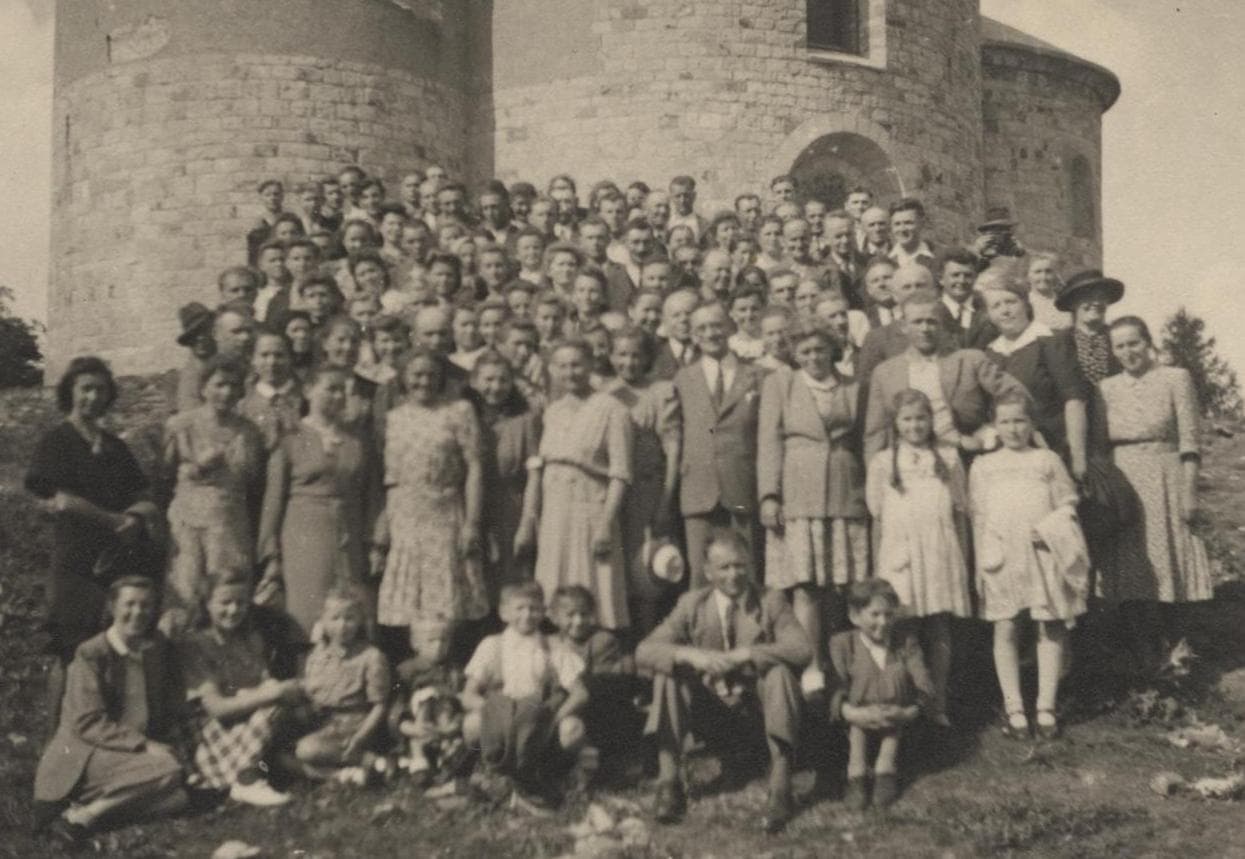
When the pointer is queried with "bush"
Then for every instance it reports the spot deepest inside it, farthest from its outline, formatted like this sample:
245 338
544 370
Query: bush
1186 344
21 360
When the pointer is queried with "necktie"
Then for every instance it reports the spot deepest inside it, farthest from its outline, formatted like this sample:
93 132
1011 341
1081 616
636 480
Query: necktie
719 388
728 632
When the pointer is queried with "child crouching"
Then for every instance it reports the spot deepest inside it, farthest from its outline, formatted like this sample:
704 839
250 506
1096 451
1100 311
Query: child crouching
524 697
347 682
881 686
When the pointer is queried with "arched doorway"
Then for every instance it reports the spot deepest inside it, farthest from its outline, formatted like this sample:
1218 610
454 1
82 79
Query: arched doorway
833 164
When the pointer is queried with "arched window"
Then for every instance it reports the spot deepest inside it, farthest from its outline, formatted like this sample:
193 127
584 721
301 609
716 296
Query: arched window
833 164
1082 198
837 25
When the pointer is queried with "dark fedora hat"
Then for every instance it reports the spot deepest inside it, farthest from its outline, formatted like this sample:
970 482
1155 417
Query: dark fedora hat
194 318
1084 281
997 218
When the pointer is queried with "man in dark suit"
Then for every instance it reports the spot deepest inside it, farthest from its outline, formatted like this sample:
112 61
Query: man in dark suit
720 399
677 350
594 241
965 321
725 664
842 256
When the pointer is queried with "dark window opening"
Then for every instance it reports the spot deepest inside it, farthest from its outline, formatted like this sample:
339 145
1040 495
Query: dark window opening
1082 210
837 25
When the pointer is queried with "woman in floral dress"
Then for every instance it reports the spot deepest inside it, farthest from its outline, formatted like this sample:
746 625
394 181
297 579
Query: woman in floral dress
1151 418
577 491
434 486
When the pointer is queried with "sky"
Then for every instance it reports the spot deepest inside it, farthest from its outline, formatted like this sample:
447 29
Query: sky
1174 147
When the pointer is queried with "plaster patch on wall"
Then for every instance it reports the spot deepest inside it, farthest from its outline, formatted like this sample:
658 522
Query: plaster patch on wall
138 41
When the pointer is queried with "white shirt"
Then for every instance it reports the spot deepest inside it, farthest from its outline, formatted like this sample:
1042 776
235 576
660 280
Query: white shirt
691 221
723 604
527 661
877 652
964 312
729 364
746 346
678 349
269 393
858 326
900 256
263 298
924 376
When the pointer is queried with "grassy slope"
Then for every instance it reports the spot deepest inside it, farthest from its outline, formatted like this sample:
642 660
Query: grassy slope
1084 796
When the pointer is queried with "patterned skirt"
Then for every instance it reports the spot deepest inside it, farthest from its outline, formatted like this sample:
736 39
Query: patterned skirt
818 552
226 751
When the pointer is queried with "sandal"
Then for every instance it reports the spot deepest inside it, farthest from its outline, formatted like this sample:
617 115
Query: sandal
1016 726
1047 730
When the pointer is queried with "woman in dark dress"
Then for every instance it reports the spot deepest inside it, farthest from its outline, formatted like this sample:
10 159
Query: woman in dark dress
103 523
1029 351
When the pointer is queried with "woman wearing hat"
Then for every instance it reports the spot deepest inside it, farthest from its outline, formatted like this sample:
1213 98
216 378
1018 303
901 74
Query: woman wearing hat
1045 365
1086 296
196 321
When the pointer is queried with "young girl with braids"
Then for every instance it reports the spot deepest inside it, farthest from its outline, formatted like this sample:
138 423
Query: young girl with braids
916 492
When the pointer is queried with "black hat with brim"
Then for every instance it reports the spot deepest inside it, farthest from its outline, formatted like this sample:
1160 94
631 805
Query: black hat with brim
1084 282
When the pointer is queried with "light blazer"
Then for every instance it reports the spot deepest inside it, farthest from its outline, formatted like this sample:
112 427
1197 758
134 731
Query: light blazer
92 707
970 381
718 463
766 624
799 461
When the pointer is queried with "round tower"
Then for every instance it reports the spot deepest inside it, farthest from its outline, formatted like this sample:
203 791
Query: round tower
1043 112
737 93
168 115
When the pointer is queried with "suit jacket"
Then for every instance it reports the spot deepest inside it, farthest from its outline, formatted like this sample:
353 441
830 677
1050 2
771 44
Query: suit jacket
880 344
718 463
970 380
665 365
766 624
92 707
851 278
619 287
811 468
979 334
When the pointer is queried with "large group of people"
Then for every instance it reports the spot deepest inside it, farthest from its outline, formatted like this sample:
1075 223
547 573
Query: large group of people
491 488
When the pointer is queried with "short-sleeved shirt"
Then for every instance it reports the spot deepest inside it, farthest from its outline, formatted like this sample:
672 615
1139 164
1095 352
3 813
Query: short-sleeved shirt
523 666
349 678
231 663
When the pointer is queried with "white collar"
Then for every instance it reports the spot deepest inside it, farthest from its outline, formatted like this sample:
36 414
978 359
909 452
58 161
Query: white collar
728 361
1006 347
267 391
825 386
955 307
117 643
922 249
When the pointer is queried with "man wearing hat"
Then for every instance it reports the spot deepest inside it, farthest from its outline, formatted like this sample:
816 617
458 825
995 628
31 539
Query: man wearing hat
196 321
994 237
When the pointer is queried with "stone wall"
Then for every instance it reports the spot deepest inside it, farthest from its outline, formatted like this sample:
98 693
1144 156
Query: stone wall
727 91
167 116
1042 114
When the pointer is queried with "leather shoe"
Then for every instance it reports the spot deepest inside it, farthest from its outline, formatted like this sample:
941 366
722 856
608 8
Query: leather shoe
778 811
885 789
670 803
856 795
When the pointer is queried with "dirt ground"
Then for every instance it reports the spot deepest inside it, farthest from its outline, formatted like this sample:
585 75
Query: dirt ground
975 794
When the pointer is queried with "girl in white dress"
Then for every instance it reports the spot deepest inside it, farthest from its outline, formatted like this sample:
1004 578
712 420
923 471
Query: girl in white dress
916 494
1031 557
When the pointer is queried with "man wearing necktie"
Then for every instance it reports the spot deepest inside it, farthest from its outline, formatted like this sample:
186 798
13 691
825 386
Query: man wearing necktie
719 398
725 664
965 322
